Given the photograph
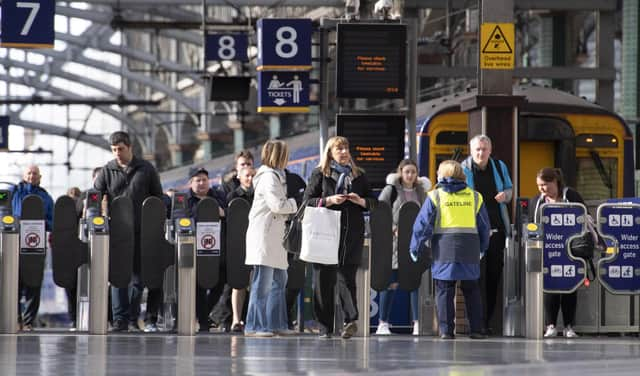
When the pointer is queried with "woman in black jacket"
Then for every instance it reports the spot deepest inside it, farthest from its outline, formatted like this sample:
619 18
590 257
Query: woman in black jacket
338 184
552 189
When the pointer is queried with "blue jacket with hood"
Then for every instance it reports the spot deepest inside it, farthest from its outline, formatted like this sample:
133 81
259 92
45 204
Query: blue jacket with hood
423 232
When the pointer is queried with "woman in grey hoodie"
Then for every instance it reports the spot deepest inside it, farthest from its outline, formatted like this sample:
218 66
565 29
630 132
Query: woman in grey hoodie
402 186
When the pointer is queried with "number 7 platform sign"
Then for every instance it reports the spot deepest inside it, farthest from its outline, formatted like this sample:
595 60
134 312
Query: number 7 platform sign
28 24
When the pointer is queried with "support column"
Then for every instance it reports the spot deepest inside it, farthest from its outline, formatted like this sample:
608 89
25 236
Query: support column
274 126
605 39
238 134
494 112
630 67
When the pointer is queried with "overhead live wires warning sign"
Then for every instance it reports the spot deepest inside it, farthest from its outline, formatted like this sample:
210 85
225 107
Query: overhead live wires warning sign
497 41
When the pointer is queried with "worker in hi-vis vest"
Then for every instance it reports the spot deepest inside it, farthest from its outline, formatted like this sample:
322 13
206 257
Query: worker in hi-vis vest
455 222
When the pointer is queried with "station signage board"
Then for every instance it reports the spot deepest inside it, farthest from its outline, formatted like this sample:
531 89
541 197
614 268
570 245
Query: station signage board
226 47
27 24
283 92
371 60
619 272
497 42
376 143
561 222
284 44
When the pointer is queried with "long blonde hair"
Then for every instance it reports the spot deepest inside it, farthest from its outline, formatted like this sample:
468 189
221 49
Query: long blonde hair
325 160
275 154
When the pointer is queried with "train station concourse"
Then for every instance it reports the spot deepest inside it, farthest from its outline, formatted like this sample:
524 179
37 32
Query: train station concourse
452 187
51 353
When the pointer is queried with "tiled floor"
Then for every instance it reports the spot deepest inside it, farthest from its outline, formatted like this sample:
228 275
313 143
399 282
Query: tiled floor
49 353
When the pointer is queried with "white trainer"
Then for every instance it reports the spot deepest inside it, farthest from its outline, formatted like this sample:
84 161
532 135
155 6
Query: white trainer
551 331
416 328
383 329
569 332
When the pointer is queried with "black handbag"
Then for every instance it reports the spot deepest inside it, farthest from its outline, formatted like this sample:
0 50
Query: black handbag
583 246
292 240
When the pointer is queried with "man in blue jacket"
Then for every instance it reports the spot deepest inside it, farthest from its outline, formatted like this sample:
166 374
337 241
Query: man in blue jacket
490 177
454 219
30 185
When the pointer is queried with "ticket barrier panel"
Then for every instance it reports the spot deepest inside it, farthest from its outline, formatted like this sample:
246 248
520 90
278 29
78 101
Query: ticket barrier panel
91 253
158 254
561 222
415 275
618 271
9 245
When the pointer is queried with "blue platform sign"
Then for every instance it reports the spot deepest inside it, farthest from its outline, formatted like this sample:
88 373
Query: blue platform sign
562 273
283 92
4 132
284 44
221 47
619 272
28 24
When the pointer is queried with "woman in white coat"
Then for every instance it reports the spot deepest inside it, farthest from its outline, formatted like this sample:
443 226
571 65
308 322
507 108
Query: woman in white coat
266 315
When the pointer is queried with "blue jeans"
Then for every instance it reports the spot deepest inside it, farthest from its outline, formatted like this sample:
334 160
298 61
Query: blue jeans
445 295
267 310
386 300
125 302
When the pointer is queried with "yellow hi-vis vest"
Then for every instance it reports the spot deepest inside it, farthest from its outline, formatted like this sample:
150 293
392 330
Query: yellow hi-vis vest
455 235
456 212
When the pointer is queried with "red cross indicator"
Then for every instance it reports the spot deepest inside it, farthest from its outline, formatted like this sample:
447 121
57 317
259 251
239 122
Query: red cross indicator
32 240
208 242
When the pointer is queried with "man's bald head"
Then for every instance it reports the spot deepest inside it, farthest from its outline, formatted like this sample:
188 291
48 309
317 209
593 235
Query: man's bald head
32 175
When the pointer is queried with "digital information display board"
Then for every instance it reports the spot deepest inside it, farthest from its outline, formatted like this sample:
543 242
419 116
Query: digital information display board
371 61
376 143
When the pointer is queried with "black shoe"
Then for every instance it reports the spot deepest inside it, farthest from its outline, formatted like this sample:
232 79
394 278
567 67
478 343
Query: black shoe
350 329
477 336
447 336
325 335
133 327
120 326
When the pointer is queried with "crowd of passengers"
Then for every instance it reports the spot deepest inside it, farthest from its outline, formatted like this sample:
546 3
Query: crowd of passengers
462 224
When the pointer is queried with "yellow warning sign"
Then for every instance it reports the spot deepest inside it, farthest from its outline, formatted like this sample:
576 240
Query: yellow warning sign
497 42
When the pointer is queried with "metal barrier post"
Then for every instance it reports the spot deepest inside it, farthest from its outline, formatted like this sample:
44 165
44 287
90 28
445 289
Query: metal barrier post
363 291
533 281
186 277
82 303
98 275
9 264
426 306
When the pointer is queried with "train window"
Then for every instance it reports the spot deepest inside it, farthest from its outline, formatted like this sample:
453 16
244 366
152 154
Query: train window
597 141
451 138
597 178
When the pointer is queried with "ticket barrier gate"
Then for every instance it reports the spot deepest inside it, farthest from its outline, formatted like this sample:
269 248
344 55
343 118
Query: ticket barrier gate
22 254
106 247
158 253
613 302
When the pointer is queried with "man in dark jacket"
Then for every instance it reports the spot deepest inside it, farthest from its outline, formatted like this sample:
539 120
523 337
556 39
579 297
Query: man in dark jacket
30 185
137 179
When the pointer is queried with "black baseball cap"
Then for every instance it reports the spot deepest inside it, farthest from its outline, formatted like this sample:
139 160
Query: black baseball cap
197 171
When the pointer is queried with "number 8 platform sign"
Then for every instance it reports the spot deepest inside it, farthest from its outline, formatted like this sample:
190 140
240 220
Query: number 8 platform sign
27 24
284 44
232 47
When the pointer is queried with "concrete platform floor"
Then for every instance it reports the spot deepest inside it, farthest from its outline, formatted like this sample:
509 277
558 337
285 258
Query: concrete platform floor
57 353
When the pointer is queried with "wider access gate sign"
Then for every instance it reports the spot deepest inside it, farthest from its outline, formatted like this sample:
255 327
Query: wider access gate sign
619 272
